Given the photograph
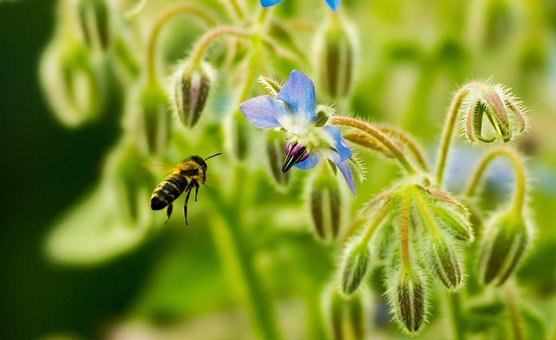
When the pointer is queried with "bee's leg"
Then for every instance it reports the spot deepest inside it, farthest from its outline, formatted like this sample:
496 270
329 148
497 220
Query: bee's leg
168 212
196 184
188 189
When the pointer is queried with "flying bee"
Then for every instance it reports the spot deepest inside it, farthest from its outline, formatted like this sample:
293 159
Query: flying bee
186 176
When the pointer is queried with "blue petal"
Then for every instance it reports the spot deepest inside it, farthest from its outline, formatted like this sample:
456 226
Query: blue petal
268 3
333 4
338 141
309 163
263 111
299 94
346 171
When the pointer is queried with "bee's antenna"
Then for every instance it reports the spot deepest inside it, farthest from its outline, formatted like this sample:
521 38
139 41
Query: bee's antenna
216 154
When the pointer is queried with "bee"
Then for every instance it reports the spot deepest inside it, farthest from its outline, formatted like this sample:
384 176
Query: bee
185 177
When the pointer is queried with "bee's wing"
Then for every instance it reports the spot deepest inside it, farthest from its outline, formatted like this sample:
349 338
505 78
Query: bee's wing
157 168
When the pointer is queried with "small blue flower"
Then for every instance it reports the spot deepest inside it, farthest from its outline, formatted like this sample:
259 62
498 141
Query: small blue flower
294 111
333 4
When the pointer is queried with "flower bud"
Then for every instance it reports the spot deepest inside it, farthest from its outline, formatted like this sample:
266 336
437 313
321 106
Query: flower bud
355 267
324 113
74 81
491 112
325 204
505 241
448 213
335 57
131 183
275 152
347 316
93 18
190 91
271 86
408 299
444 263
237 136
149 116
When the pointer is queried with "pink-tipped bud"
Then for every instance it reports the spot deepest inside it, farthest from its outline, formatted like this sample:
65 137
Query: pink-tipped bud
491 112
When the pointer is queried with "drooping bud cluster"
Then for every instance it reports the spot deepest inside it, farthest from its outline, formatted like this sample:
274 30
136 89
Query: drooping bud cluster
72 76
73 80
506 239
426 228
191 87
491 112
335 53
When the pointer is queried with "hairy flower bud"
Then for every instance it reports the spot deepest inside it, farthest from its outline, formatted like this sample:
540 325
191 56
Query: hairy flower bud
93 18
355 267
491 112
191 88
271 85
131 183
335 57
149 116
448 213
408 300
444 263
74 81
347 316
325 204
506 239
275 145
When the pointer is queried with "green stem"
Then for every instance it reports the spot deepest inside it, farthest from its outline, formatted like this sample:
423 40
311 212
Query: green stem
380 136
514 313
454 304
519 169
237 259
162 19
447 133
234 7
381 214
204 42
411 143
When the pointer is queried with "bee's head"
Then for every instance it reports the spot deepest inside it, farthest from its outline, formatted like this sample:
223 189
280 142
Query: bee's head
199 161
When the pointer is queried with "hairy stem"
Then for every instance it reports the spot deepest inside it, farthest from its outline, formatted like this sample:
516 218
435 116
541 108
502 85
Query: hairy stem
378 218
380 136
204 42
162 19
411 143
519 170
447 133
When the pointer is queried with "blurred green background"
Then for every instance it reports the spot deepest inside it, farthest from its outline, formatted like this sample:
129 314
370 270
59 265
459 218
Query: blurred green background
45 168
413 54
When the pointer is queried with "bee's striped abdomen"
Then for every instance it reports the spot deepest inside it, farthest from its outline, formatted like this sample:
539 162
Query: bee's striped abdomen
167 191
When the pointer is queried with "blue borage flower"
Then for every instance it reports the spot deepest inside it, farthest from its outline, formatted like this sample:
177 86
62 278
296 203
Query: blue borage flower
333 4
294 111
